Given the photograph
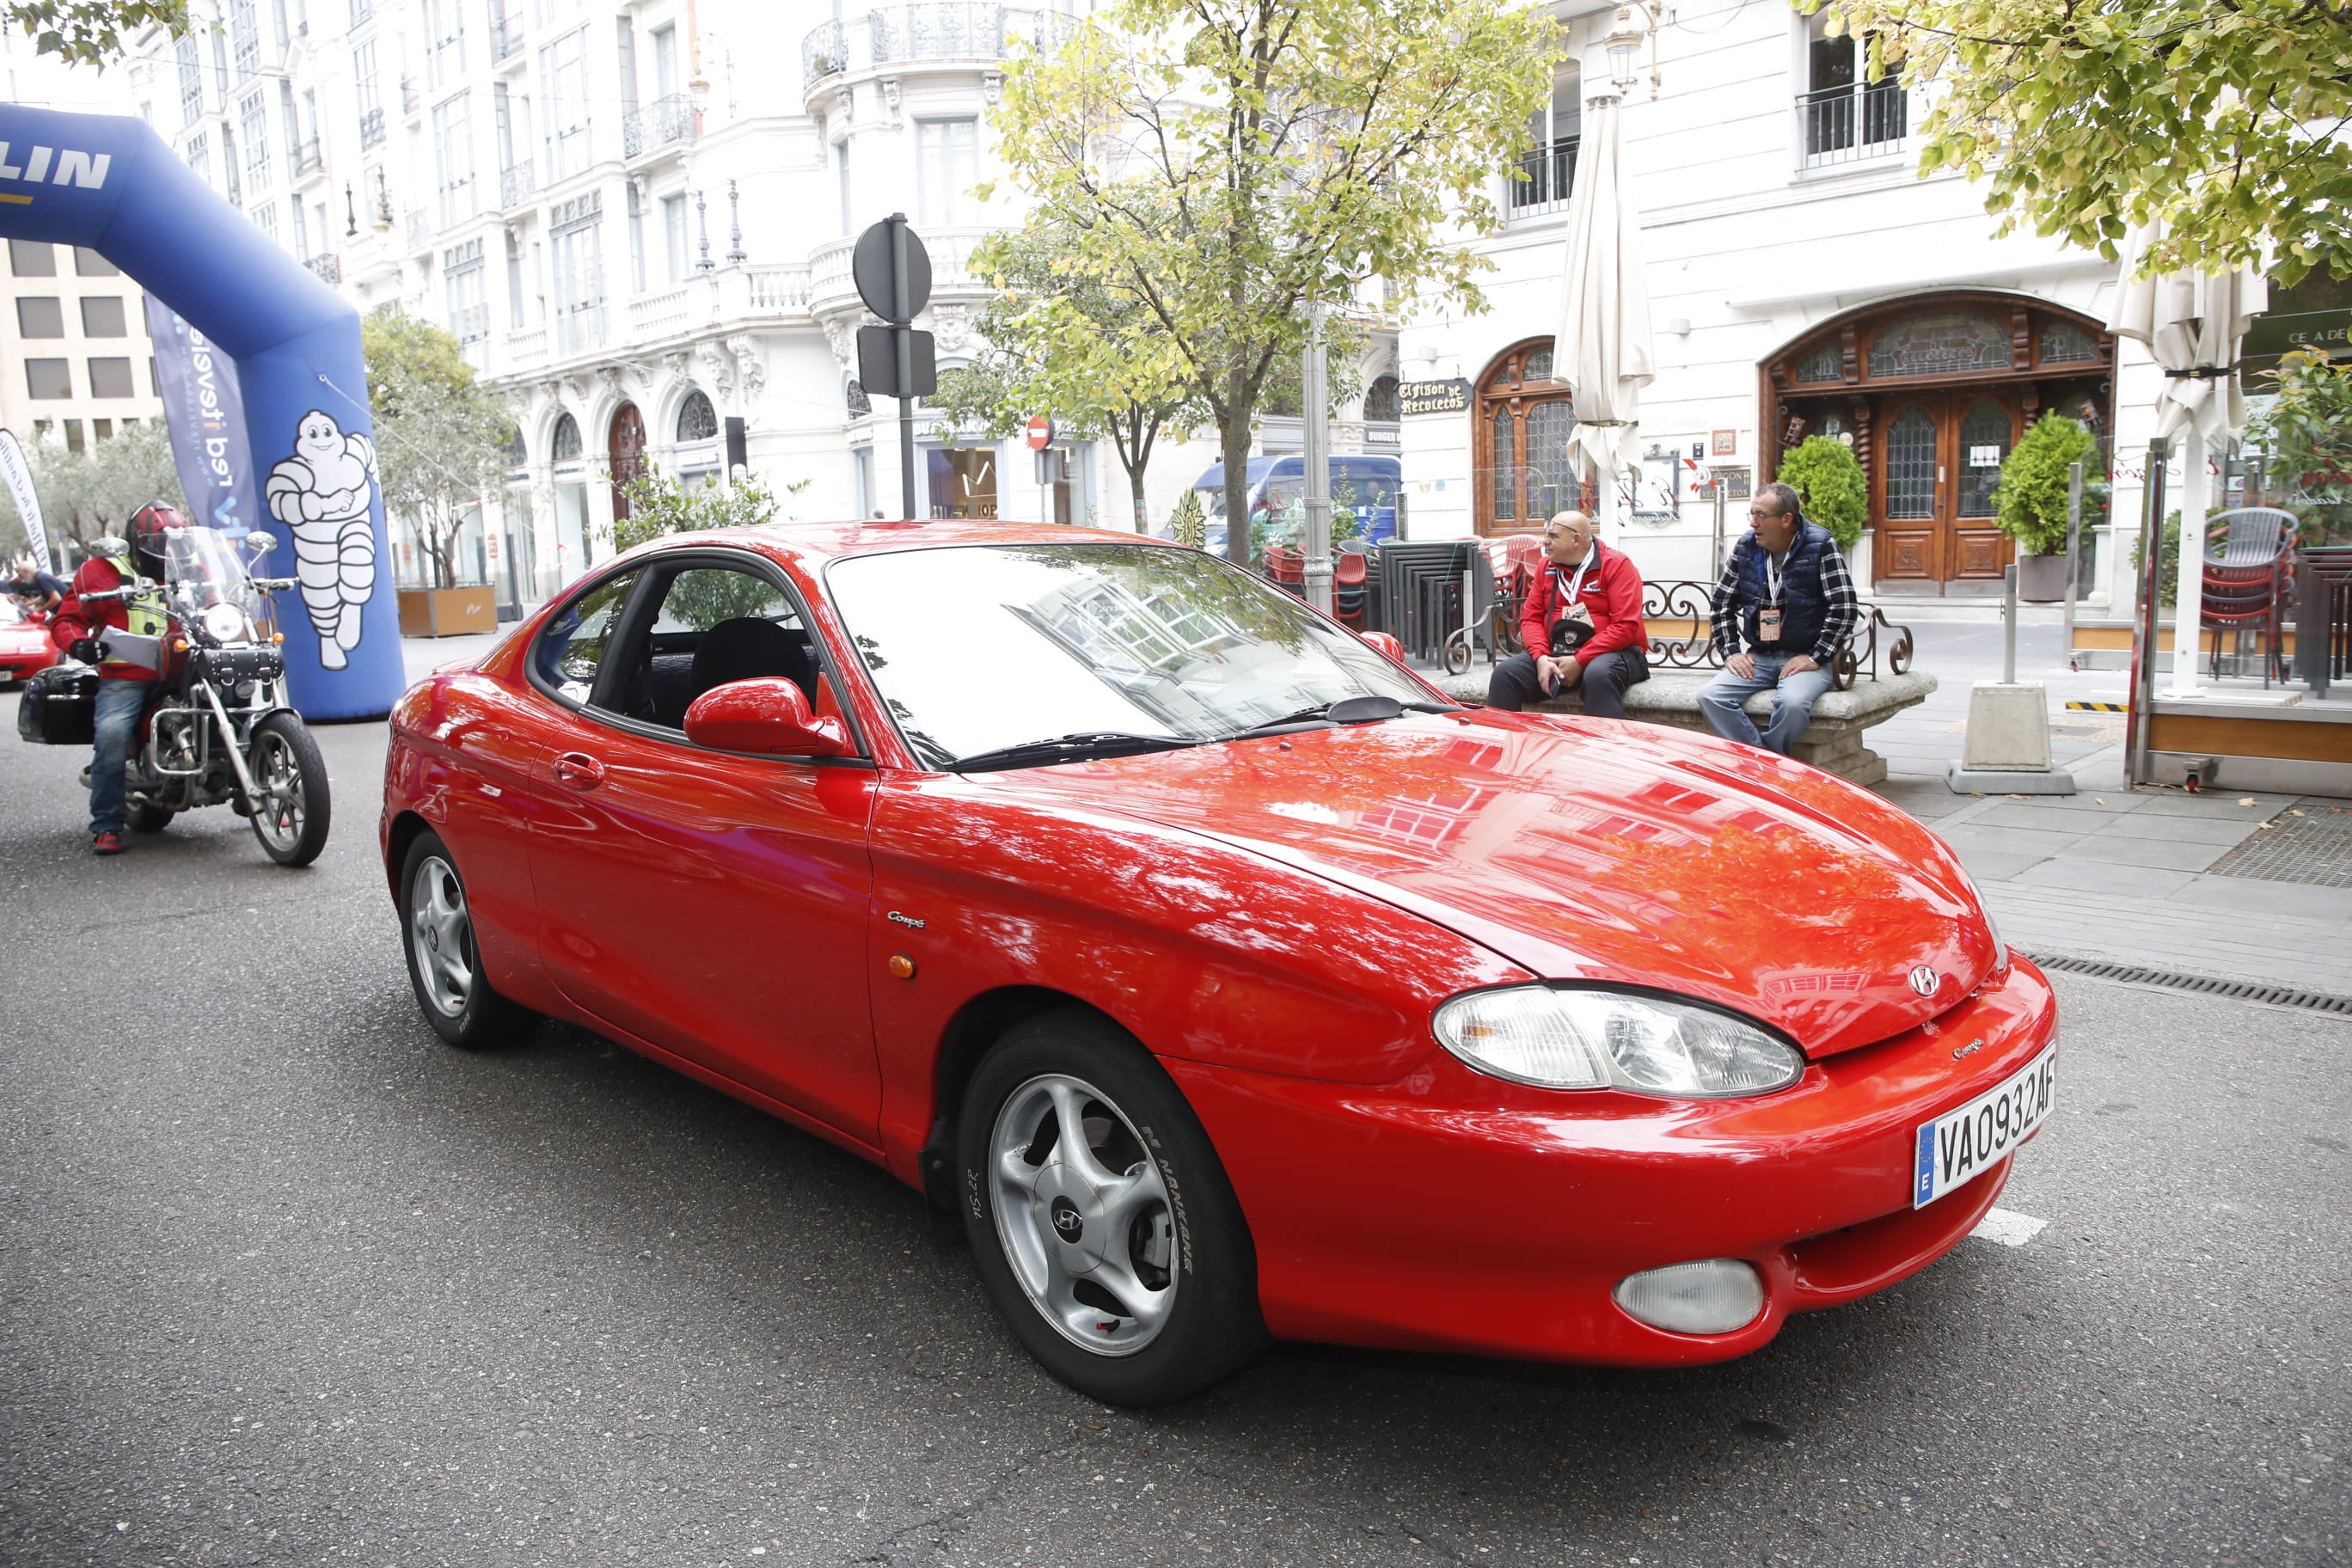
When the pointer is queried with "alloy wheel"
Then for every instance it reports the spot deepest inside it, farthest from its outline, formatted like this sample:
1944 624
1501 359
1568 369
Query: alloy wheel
277 808
441 935
1082 1214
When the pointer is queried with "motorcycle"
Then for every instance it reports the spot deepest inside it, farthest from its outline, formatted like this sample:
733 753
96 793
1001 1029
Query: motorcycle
217 726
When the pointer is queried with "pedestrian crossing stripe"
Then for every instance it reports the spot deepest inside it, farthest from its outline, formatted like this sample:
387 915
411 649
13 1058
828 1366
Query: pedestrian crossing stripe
2096 708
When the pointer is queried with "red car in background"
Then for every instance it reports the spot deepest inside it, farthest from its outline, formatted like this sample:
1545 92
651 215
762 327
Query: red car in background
25 646
1225 977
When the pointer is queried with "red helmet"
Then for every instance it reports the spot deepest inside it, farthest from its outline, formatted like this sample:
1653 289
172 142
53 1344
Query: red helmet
149 534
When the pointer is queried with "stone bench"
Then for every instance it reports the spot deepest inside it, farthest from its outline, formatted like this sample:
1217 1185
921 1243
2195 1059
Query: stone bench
1833 742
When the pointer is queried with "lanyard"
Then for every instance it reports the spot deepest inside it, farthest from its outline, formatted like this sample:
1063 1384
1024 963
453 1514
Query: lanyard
1576 584
1773 575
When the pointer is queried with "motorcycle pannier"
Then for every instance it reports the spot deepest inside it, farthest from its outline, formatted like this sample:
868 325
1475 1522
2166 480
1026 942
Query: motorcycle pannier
59 707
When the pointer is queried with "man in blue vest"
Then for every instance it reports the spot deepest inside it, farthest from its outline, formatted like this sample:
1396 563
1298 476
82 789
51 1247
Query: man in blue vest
1783 609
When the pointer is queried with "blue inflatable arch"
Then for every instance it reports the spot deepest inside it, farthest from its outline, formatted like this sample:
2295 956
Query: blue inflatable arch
111 183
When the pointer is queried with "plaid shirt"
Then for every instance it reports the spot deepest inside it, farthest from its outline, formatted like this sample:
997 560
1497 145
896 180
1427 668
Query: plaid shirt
1837 618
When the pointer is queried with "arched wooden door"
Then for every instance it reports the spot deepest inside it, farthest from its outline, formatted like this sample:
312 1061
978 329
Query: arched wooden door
624 448
1525 471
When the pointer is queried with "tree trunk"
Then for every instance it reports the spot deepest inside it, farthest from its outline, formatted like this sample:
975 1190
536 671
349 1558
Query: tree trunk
1134 488
1236 445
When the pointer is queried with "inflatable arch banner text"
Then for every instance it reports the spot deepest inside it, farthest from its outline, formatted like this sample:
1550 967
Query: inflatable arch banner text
111 183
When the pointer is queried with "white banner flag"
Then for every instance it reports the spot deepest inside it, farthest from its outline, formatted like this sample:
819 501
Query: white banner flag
18 475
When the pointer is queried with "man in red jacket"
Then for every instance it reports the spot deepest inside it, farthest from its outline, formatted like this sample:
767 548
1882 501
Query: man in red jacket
122 686
1581 623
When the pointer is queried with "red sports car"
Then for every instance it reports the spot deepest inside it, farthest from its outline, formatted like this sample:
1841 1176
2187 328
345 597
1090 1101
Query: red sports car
1226 978
25 646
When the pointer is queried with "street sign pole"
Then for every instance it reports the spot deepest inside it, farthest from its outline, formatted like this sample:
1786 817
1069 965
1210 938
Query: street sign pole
902 340
1315 405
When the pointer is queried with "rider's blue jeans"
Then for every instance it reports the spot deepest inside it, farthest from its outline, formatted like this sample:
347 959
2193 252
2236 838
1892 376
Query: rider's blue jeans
119 703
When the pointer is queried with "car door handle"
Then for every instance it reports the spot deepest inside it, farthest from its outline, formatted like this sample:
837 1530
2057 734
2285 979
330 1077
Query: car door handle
579 770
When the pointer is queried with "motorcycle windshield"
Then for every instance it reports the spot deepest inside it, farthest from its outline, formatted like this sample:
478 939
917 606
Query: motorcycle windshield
203 569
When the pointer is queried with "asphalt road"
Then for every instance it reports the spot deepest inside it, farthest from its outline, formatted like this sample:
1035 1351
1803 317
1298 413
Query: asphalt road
284 1280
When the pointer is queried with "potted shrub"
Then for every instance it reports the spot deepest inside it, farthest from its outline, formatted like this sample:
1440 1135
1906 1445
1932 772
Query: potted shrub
1829 482
2030 502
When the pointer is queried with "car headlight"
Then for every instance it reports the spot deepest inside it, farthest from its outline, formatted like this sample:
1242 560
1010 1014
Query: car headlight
1614 1039
225 622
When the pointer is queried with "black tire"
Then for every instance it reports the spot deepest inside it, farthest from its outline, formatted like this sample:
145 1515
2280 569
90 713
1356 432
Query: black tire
292 817
1194 1235
148 818
470 1014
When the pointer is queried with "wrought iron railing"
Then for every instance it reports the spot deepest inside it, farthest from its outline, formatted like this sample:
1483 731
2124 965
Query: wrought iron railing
1679 616
516 183
506 38
941 30
1839 124
1544 178
659 124
410 102
823 53
306 158
371 129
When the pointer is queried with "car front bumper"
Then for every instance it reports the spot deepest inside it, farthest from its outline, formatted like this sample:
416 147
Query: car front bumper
1456 1212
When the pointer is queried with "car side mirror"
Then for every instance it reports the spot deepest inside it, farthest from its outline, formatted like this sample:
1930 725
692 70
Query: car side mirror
1386 644
768 715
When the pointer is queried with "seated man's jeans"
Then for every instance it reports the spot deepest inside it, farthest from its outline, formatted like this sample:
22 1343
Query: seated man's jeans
119 703
1602 683
1720 702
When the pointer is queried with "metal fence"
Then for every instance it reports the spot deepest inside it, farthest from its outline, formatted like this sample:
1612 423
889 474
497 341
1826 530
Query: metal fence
1841 124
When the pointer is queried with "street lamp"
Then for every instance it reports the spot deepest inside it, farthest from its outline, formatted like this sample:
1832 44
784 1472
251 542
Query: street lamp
1624 45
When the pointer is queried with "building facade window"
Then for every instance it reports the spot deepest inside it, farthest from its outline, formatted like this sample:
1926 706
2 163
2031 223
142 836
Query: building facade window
674 248
102 317
1546 171
364 94
565 445
1525 471
465 281
453 158
32 259
40 316
253 124
445 42
245 36
199 157
1840 116
47 379
636 241
575 229
111 377
564 86
696 420
192 79
841 173
947 154
665 41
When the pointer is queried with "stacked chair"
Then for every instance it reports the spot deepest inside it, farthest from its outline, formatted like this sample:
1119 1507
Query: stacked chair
2248 581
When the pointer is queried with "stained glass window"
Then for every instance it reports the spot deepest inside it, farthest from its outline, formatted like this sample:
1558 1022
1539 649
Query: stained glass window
1551 478
1824 364
696 420
1984 445
1939 343
2064 344
1507 463
1538 366
1911 464
567 438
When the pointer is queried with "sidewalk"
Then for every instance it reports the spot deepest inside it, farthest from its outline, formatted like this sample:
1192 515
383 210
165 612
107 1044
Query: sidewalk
2152 877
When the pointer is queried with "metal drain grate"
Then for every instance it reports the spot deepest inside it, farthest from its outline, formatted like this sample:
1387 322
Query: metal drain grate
2310 842
2204 984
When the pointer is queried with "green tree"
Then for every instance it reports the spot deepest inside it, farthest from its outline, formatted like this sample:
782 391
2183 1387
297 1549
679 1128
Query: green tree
92 32
1829 483
2308 434
660 506
441 441
94 492
2030 502
2224 117
1228 162
1080 347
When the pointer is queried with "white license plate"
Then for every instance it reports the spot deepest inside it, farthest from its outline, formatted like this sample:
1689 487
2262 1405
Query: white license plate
1963 1144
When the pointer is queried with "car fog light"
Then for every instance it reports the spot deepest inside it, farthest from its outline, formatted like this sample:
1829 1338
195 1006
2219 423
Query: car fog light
1713 1297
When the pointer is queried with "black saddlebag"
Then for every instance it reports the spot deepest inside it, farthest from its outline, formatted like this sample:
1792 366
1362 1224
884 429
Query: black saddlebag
59 707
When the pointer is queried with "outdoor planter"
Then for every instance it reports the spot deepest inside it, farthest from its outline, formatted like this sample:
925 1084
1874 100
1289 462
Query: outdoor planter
2041 578
447 612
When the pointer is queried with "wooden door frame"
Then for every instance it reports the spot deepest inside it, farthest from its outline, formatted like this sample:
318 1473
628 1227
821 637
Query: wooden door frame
1482 449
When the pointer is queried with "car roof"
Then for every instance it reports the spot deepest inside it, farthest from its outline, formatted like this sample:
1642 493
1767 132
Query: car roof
816 542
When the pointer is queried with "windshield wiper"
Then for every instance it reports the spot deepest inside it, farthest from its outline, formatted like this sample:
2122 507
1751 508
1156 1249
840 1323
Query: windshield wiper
1367 710
1068 749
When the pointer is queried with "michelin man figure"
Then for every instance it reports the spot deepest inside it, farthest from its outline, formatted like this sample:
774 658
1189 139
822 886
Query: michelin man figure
321 494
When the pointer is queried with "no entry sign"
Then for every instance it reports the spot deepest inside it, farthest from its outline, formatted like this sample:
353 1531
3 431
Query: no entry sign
1041 432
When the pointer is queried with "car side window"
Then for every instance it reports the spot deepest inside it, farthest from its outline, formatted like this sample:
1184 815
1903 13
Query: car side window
571 646
715 624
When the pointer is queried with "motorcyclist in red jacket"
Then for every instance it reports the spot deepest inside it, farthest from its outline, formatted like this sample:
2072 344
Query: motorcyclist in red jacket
80 629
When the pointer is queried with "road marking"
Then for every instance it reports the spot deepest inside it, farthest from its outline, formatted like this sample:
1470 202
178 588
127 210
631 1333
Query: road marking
2006 1228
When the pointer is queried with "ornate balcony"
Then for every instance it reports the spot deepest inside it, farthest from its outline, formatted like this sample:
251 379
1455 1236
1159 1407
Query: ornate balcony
372 129
823 54
659 123
305 158
329 268
898 35
517 183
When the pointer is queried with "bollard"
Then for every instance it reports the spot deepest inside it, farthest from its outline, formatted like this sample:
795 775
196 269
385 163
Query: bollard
2074 547
2009 625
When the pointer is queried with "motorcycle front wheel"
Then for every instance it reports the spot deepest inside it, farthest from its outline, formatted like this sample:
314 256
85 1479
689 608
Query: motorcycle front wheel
290 811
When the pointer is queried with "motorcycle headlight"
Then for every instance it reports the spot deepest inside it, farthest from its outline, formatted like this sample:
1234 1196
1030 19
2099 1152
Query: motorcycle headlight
226 623
1614 1039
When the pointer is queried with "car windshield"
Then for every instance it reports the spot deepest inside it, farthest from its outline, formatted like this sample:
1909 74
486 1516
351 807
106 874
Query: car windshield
980 648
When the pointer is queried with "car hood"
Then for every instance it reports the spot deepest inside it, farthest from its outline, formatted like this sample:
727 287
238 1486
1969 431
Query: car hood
1589 850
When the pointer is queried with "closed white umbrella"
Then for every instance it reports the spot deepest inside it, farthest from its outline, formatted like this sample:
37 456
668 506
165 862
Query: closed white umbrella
2192 323
1604 337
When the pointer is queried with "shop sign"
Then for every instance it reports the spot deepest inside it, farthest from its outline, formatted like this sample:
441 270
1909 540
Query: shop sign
2329 332
1984 457
1432 397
